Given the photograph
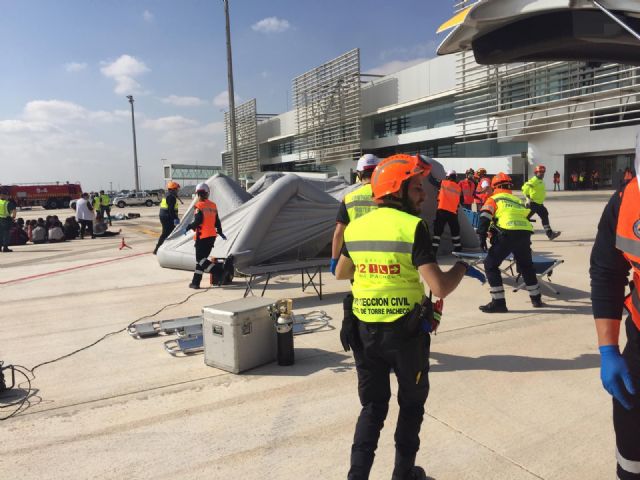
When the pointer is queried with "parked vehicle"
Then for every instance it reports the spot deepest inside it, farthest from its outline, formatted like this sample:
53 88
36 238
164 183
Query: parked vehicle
136 198
47 195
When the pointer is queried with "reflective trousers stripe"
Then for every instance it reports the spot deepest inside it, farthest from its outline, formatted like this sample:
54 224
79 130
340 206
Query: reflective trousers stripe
630 466
497 293
379 246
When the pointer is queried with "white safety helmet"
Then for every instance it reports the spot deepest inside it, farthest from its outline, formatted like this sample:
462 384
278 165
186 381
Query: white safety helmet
367 162
451 173
202 187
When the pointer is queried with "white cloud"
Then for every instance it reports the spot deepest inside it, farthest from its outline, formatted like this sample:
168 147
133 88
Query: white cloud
60 112
179 101
271 25
124 71
222 99
73 67
174 122
61 140
148 16
395 66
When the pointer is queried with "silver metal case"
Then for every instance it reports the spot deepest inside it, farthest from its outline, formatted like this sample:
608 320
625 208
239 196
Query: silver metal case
239 335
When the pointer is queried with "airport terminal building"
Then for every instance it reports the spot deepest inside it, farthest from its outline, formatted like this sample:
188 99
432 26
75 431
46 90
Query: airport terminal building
569 116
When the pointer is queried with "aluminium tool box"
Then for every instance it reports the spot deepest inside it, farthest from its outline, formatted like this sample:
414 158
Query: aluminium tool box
239 335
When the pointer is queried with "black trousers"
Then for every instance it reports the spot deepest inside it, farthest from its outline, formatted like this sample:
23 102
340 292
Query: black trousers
5 231
203 264
540 210
444 217
627 422
517 243
106 210
387 347
167 227
86 225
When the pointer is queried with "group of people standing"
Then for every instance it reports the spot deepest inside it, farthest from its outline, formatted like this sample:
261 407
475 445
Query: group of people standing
93 213
584 180
387 316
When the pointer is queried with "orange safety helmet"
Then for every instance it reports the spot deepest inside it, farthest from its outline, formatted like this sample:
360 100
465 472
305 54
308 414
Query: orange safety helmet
540 169
391 172
173 185
500 179
481 172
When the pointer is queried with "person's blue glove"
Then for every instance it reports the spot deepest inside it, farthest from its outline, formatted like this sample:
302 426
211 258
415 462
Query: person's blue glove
615 375
222 235
473 272
332 265
175 222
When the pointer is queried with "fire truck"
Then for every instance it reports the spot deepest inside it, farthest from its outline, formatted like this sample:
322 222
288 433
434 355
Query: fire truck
47 195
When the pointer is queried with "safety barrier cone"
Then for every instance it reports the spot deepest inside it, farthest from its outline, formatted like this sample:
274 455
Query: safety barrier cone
123 244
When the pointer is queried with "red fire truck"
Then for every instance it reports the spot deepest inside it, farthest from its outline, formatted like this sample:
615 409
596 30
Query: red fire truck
47 195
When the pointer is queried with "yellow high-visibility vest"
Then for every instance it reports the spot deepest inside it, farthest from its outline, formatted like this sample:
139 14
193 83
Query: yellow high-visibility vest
511 214
386 284
4 208
359 202
535 190
163 204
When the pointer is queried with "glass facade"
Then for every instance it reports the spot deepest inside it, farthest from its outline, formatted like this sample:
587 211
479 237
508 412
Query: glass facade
281 147
435 114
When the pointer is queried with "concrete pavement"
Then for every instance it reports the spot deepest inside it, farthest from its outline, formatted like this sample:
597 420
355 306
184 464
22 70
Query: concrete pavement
513 396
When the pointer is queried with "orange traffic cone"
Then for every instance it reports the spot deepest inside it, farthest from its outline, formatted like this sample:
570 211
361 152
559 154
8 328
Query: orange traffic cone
123 244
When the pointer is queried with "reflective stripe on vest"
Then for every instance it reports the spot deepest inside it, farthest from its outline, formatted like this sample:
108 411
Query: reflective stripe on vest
359 202
386 284
511 214
449 196
164 205
628 242
4 208
210 213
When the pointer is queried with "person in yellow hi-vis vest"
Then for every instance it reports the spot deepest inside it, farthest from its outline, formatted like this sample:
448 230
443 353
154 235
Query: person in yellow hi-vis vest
355 204
507 218
387 252
535 192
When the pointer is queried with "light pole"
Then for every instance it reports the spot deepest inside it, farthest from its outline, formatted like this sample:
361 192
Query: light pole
232 102
135 148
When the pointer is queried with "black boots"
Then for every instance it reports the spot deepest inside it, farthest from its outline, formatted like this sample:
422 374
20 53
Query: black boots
416 473
495 306
551 235
536 301
7 250
195 283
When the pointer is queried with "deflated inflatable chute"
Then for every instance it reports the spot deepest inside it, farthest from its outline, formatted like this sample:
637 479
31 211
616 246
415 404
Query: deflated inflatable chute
290 218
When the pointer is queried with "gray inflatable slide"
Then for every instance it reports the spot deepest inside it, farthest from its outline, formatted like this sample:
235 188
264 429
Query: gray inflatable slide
283 217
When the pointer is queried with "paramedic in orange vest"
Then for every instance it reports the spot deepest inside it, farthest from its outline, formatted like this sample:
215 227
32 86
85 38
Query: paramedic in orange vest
615 252
449 196
206 224
468 187
483 190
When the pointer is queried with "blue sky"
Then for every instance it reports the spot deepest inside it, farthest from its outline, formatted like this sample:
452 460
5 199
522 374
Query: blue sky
69 64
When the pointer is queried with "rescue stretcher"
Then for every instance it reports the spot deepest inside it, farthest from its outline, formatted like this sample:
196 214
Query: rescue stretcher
543 266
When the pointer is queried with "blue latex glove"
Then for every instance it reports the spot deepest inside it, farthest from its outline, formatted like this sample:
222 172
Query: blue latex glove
222 235
332 265
615 375
176 222
473 272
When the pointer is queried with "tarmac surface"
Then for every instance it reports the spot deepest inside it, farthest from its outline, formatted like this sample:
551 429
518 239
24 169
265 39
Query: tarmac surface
513 396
